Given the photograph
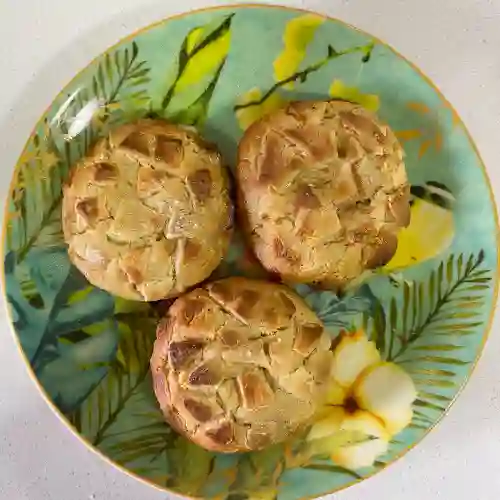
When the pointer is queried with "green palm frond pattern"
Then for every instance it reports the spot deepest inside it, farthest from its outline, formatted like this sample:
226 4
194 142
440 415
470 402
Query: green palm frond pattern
119 78
101 410
423 329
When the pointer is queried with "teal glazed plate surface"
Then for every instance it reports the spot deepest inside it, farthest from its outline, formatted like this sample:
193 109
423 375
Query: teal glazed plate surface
425 315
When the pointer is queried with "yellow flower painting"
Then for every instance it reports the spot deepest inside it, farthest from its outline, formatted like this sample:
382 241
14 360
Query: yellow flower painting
370 401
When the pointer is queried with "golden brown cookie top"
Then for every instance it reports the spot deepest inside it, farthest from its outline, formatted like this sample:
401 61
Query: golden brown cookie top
147 213
323 191
240 364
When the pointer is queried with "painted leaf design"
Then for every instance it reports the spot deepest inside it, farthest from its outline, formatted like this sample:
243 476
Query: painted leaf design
40 325
423 327
338 90
299 33
340 313
247 115
33 206
256 98
190 466
136 336
121 415
79 367
117 86
259 472
196 113
199 64
378 324
50 234
421 241
45 310
206 49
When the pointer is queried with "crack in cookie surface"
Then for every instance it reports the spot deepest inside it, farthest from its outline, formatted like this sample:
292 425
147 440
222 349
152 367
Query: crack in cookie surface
130 198
267 375
322 183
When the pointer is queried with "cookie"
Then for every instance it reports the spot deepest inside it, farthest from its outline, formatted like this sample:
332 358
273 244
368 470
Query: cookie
147 215
322 192
240 364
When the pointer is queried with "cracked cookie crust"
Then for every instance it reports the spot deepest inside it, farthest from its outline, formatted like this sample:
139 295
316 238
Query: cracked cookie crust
322 192
240 364
147 214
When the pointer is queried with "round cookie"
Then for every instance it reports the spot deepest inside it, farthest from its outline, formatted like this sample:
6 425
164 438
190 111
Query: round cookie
240 364
322 192
147 213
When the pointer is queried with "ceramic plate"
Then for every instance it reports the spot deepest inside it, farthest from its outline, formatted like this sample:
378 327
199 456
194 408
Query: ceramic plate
427 312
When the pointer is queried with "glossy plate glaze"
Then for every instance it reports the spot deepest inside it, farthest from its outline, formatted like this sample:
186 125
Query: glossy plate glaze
427 312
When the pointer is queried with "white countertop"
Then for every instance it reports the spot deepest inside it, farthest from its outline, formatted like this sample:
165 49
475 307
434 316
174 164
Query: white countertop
43 43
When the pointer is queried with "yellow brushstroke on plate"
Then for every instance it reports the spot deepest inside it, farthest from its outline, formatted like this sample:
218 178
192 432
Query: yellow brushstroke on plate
79 295
299 33
123 306
48 160
97 328
246 116
424 147
430 233
193 38
428 140
418 107
26 157
339 90
204 62
408 135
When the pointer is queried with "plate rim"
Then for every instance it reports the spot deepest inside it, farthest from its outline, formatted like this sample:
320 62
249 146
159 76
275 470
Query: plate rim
240 6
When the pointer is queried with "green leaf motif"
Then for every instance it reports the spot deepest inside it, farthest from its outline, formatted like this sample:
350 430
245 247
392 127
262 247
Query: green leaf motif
421 321
433 308
259 470
379 328
197 112
122 418
341 312
303 75
200 62
45 314
119 75
190 466
115 88
36 197
126 374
